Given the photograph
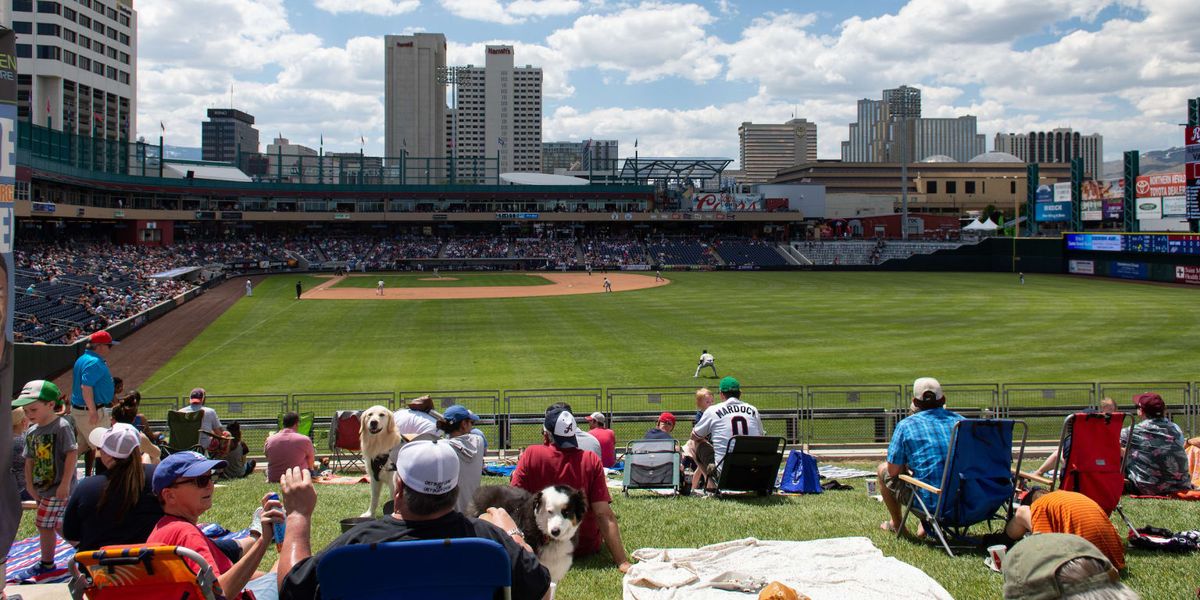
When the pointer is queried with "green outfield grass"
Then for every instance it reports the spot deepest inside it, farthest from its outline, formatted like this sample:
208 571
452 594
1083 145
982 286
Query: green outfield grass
448 279
765 328
655 522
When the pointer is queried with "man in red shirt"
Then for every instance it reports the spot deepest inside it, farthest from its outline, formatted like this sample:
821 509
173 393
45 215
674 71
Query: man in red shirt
608 438
287 449
559 461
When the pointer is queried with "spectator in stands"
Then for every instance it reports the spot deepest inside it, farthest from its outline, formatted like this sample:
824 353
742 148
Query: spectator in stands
117 506
560 461
418 418
237 466
19 425
457 423
133 402
1061 566
288 448
427 474
210 424
1063 511
919 447
1107 406
607 437
722 421
1157 463
183 484
92 391
125 412
662 431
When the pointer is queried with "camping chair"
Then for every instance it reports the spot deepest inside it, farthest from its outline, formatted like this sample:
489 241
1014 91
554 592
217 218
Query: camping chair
1091 461
976 484
305 427
183 427
751 464
344 441
651 465
143 572
354 571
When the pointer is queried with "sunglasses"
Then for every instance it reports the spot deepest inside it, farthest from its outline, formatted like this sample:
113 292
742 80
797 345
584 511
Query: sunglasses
200 482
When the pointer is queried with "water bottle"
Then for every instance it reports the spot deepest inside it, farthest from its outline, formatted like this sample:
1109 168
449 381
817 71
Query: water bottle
277 528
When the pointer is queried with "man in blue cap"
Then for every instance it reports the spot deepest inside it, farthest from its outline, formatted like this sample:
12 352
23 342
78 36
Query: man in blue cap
457 422
183 483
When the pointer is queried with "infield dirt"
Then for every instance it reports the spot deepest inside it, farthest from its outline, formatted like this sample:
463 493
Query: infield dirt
565 284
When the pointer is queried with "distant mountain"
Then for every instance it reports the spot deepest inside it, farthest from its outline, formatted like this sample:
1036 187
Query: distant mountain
1155 161
182 152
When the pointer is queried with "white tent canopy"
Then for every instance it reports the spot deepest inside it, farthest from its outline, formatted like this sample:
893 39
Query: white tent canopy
987 225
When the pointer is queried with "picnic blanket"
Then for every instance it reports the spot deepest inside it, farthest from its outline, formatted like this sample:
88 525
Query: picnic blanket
830 569
835 472
27 552
499 469
342 479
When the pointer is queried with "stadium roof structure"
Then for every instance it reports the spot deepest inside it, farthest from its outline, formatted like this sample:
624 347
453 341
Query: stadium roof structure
648 167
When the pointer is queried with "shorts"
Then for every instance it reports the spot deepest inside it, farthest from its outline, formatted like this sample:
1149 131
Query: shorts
50 512
900 490
703 454
83 427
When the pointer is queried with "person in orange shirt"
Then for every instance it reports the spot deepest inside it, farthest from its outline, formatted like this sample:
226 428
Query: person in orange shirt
1062 511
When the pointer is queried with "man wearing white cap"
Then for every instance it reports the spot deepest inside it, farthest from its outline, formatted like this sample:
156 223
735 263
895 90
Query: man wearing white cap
598 427
426 492
919 446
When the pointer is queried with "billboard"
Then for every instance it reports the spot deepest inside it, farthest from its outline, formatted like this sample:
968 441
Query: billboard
1044 194
1130 270
1097 242
1082 267
1114 210
1187 274
1149 208
1104 189
726 202
1091 210
1174 206
1157 186
1053 212
1062 192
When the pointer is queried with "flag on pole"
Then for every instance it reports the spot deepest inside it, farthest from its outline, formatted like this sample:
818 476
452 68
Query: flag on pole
322 139
162 126
635 141
500 142
363 140
47 106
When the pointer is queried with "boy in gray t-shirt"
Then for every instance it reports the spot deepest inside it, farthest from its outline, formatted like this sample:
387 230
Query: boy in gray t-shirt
50 456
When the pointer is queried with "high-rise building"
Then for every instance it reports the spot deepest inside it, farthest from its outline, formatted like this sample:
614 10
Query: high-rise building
77 65
227 134
414 96
1059 145
596 156
499 112
561 156
892 130
765 148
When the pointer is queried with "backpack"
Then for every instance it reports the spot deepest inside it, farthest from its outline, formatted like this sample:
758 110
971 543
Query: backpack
800 475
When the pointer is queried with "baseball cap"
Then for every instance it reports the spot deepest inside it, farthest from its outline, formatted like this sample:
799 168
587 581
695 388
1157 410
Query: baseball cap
729 384
102 337
197 395
458 413
927 384
180 465
428 466
1031 567
38 390
1151 403
117 441
597 417
666 418
560 424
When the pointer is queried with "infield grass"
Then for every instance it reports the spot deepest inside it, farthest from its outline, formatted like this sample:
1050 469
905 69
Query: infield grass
765 328
448 279
648 521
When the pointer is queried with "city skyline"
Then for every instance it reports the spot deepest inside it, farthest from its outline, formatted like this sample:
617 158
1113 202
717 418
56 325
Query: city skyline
678 78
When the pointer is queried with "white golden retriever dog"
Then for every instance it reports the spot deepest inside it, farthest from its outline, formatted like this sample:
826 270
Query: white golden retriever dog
379 441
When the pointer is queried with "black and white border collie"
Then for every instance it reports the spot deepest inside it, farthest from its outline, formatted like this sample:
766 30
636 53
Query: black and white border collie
549 520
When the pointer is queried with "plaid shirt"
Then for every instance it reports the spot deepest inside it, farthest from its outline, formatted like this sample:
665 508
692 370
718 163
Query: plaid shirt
921 442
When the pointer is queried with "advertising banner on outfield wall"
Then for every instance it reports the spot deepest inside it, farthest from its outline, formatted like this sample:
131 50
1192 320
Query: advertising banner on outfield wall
1053 212
1130 270
1187 274
1149 208
1104 189
1091 210
1062 192
1174 206
727 202
10 503
1082 267
1114 210
1157 186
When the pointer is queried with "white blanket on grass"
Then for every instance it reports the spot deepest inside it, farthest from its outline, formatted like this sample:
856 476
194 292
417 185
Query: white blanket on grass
831 569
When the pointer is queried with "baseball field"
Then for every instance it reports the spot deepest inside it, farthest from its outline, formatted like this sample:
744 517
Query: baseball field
764 328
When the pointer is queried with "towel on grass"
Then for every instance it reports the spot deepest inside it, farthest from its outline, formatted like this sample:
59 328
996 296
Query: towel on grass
830 569
499 469
27 552
342 479
835 472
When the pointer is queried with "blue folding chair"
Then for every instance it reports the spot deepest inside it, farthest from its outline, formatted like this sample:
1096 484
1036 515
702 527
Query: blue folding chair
354 571
977 485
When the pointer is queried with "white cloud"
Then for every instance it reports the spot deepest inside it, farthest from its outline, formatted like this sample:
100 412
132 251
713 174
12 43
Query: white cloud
383 8
517 11
554 70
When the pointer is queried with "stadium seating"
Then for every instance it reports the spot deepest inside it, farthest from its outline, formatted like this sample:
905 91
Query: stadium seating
681 252
739 252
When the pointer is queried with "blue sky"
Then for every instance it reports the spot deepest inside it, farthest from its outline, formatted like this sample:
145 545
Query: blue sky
680 76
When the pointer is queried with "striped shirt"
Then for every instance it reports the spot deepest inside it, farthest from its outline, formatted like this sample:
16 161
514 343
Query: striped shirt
1074 513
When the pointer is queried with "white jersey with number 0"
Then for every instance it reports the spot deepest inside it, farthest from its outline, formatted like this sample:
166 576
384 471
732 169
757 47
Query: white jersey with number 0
726 419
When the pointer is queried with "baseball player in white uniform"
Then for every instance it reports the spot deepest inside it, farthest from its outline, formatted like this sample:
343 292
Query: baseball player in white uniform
379 287
249 288
607 285
726 419
706 360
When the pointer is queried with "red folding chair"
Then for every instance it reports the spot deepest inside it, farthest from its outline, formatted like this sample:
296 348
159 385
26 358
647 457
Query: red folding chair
143 572
344 441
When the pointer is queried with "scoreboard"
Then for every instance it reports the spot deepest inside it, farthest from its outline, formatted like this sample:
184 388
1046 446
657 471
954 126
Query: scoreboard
1159 243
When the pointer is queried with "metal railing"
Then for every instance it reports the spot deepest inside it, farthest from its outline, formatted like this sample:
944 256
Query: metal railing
821 415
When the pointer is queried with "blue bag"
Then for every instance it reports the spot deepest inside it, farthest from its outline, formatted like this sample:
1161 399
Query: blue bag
800 475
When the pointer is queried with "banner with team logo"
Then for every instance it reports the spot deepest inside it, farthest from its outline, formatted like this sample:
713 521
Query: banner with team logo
10 505
726 202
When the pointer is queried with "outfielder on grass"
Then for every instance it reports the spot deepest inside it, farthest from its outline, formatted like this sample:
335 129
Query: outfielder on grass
706 360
